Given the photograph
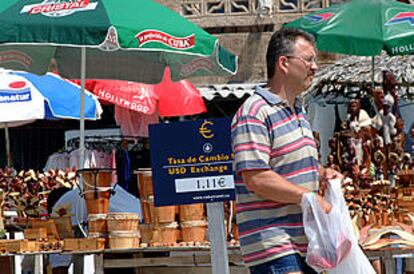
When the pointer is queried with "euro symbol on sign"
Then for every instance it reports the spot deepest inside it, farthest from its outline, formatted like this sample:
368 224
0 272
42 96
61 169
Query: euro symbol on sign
206 132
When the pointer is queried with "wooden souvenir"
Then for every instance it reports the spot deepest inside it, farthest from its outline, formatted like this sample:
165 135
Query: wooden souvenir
36 234
20 246
49 225
84 244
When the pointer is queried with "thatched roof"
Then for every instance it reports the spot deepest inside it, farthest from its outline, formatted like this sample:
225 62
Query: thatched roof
353 73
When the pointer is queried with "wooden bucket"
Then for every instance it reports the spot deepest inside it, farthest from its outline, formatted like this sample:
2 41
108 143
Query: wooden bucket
165 233
162 214
146 231
145 186
96 184
146 212
97 223
124 239
118 221
193 212
52 232
94 235
194 231
99 205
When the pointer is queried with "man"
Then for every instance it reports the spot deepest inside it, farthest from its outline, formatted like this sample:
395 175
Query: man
276 157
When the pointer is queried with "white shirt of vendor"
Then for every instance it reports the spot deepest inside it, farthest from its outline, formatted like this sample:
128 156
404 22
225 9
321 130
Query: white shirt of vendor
120 201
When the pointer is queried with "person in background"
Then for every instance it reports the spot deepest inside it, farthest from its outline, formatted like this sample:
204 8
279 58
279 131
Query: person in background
276 159
120 201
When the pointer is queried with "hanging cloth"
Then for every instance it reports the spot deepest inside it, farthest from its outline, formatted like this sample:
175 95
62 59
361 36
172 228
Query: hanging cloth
123 169
133 123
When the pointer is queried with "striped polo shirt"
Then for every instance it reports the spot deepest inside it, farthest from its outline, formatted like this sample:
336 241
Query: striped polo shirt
267 134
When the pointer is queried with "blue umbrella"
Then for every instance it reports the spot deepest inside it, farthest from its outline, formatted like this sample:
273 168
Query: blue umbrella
25 97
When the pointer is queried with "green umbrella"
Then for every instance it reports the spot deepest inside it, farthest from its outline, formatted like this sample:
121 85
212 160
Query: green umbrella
118 39
362 27
125 39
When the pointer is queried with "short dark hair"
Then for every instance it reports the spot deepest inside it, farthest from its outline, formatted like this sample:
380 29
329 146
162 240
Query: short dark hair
281 43
54 196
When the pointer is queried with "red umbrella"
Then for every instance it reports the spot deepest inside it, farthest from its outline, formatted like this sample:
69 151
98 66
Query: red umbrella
170 98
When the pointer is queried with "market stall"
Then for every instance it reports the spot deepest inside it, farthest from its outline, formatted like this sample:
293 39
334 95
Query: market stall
365 134
178 230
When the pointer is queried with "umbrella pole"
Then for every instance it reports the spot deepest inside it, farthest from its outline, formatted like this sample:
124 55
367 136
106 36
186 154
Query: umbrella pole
7 137
82 110
373 70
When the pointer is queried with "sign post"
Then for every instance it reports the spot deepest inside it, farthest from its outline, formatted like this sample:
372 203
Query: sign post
217 234
192 163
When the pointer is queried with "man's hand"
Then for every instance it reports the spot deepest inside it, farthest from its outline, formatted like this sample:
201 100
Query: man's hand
325 205
326 174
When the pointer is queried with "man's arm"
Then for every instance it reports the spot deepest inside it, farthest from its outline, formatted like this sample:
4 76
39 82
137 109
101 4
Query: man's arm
270 185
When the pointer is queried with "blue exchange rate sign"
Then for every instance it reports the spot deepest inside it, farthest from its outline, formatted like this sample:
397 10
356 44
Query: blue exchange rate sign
192 162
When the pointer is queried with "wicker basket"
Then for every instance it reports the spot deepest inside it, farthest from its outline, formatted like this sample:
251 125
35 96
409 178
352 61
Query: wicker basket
145 182
146 231
124 239
122 221
165 233
194 231
192 212
97 223
162 214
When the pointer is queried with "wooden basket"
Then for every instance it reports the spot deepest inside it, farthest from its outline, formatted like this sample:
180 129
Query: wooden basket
97 201
165 233
95 235
99 205
162 214
193 212
146 212
194 231
122 221
145 186
97 223
146 231
92 177
124 239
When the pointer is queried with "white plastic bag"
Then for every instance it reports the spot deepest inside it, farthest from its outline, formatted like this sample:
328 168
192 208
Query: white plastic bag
333 246
329 239
355 262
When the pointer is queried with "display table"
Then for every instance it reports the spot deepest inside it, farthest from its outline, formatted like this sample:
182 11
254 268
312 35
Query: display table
144 257
188 257
388 256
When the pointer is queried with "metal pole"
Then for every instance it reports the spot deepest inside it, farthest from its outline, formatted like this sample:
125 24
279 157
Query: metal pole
82 110
217 236
8 153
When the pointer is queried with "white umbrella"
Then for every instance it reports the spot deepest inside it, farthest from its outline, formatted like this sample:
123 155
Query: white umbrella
25 97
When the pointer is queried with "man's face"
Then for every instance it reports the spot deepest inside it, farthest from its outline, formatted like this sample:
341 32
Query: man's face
303 65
